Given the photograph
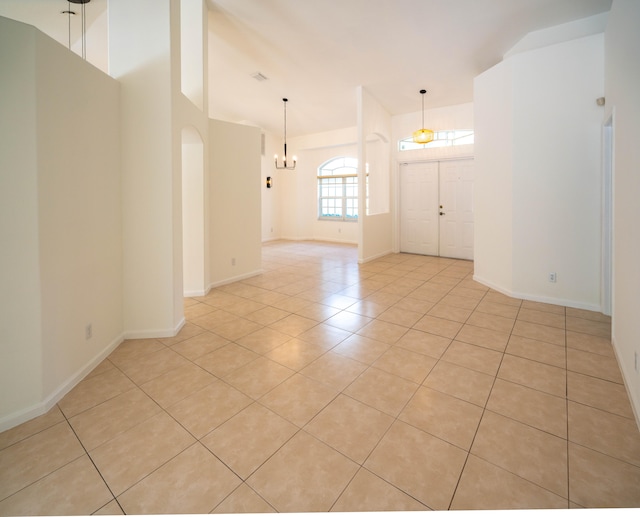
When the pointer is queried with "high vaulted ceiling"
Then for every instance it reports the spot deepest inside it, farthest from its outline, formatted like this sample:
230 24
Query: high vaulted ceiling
316 52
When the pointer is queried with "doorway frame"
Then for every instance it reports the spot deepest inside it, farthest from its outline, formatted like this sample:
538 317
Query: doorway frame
607 272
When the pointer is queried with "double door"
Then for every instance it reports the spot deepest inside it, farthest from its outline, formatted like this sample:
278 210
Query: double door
436 208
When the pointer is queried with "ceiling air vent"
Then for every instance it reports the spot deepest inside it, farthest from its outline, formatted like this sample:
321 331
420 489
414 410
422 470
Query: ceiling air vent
259 77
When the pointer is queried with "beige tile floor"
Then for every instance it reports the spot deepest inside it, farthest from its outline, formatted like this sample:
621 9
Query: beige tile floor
321 385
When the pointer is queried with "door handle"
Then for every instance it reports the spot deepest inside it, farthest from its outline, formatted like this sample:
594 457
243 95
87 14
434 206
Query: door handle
442 213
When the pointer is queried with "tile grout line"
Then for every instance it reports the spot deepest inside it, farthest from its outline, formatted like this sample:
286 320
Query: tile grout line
368 367
94 466
484 408
566 380
393 422
504 352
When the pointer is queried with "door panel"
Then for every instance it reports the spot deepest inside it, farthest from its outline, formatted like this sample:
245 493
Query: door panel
436 208
456 200
419 232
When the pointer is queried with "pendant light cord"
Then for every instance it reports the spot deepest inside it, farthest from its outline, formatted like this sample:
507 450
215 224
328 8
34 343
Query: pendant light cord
285 165
84 34
69 22
285 131
83 14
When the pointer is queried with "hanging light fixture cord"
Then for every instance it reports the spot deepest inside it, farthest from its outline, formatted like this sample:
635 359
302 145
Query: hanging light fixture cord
423 136
83 22
69 13
84 33
285 132
69 20
284 166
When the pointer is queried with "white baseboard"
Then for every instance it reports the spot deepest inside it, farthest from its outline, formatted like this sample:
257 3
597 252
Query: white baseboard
35 410
234 279
154 333
23 415
537 298
315 239
379 255
336 241
633 400
193 294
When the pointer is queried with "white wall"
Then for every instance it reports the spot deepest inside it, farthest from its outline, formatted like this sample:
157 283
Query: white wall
79 211
193 213
235 202
622 42
192 51
298 190
557 171
493 209
97 48
21 313
546 99
281 210
144 56
190 127
271 198
374 124
61 221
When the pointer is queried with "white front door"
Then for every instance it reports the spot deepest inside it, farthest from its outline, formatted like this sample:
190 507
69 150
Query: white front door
436 208
419 231
456 212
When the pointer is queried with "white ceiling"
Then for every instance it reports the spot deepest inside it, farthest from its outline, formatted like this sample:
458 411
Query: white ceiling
316 53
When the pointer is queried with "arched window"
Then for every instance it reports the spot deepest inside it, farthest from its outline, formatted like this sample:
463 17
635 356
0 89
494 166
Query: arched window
443 138
338 189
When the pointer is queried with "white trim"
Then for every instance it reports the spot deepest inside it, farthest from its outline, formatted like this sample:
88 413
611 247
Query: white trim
379 255
536 298
608 164
634 403
155 333
419 155
192 294
323 239
234 279
23 415
298 239
335 241
444 159
36 410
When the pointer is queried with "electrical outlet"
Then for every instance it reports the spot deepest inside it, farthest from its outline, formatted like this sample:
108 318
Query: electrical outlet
552 277
88 331
233 261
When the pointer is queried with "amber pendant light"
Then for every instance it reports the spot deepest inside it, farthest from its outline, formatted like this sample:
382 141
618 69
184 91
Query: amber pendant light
423 136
